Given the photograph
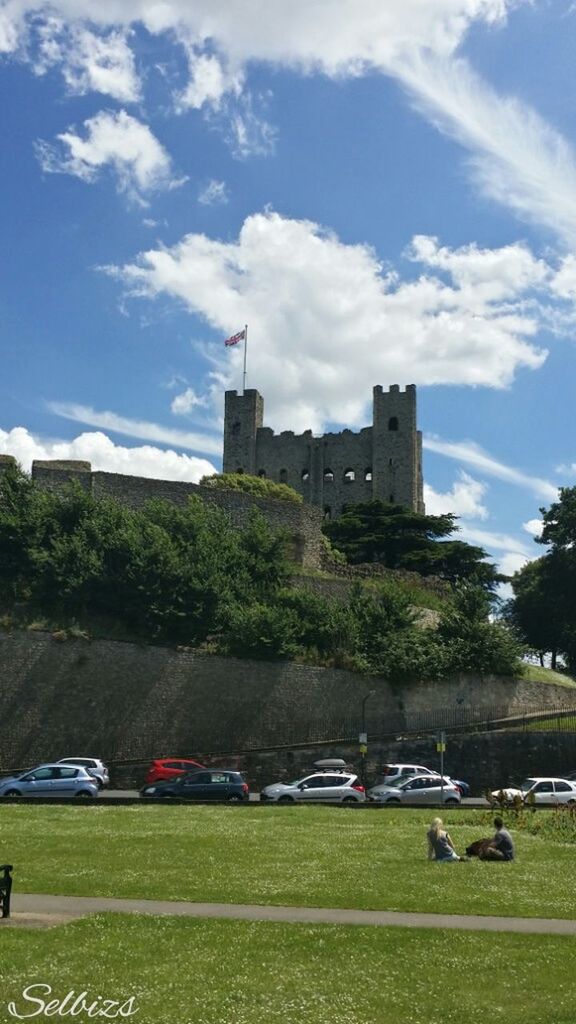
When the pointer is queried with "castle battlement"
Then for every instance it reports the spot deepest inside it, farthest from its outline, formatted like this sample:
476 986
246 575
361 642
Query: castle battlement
337 468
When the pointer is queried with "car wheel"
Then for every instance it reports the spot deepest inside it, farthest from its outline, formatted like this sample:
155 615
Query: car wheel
13 793
285 799
234 799
84 794
451 802
99 783
572 802
393 800
349 800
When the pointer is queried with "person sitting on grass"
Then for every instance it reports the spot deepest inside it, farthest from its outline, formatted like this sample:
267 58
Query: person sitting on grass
502 845
440 845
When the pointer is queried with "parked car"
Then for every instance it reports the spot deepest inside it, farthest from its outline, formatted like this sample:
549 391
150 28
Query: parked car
417 790
391 772
51 780
93 765
543 789
326 785
213 784
166 768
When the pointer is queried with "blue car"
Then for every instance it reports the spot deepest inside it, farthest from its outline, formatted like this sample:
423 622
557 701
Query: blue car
58 780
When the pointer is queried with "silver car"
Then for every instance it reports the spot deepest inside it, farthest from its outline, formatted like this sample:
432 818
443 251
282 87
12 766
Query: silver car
93 765
57 780
321 786
419 790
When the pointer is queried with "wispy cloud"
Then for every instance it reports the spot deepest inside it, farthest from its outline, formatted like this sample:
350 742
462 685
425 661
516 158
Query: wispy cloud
517 158
471 454
137 428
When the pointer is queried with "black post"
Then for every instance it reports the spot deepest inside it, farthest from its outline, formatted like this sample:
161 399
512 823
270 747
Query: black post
364 743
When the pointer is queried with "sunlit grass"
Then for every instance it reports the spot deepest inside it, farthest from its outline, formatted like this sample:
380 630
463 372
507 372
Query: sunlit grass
228 972
313 856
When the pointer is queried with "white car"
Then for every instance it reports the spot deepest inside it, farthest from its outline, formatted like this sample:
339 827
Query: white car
328 786
545 790
93 766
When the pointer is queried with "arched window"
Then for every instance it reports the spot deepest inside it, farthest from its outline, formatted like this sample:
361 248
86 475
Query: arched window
283 476
393 423
305 475
368 473
349 476
235 428
328 476
391 499
262 473
327 512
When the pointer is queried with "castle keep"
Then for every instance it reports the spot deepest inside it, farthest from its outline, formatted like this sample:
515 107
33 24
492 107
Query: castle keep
382 461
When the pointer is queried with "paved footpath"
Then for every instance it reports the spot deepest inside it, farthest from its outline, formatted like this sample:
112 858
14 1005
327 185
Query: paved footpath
36 909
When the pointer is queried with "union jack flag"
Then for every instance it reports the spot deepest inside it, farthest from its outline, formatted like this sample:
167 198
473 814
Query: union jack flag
236 337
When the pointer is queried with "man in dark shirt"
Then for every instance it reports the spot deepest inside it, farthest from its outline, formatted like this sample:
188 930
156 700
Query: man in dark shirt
502 845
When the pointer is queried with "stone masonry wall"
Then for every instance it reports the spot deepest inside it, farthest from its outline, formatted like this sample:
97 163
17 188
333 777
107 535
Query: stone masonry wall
120 701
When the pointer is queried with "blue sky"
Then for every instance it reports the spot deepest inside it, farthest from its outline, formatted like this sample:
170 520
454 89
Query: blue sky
384 192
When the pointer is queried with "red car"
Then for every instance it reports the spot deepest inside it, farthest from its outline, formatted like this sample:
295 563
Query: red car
166 768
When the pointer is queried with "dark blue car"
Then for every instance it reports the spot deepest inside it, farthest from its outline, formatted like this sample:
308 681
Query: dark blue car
209 784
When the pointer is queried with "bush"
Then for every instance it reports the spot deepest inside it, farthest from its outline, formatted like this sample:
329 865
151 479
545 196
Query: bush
257 485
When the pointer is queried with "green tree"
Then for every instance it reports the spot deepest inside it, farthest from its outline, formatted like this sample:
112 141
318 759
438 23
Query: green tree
399 538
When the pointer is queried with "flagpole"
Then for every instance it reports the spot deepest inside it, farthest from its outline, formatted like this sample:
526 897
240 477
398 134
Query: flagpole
245 350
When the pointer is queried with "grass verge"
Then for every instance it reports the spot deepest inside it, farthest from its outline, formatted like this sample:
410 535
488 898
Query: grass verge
211 972
310 856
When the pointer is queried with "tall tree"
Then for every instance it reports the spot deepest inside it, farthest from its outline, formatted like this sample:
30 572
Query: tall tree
399 538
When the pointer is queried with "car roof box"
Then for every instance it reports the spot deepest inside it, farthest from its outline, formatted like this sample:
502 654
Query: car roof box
330 762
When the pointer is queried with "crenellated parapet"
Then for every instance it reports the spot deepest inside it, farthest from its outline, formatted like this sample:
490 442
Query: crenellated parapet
337 468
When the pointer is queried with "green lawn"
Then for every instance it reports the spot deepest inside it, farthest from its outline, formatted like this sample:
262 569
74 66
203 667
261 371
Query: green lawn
231 972
315 856
537 674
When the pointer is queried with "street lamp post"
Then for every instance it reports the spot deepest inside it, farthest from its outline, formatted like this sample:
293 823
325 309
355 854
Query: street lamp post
363 738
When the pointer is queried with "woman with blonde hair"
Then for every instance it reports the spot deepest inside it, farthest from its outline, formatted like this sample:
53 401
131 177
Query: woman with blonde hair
440 845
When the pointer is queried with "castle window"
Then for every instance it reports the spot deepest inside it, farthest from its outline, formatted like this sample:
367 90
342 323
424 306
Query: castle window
239 470
262 473
349 476
235 429
283 476
393 423
391 499
305 475
328 476
327 512
368 473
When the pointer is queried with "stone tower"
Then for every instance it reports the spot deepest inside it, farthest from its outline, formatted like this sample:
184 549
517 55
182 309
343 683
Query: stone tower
382 461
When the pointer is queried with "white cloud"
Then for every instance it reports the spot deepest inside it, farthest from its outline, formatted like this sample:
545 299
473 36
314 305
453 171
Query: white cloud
242 121
104 455
563 283
510 563
533 527
89 61
213 193
310 300
464 499
116 140
209 81
137 428
183 404
472 454
518 159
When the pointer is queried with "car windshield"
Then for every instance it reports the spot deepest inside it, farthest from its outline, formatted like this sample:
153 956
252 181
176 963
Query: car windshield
394 783
527 784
